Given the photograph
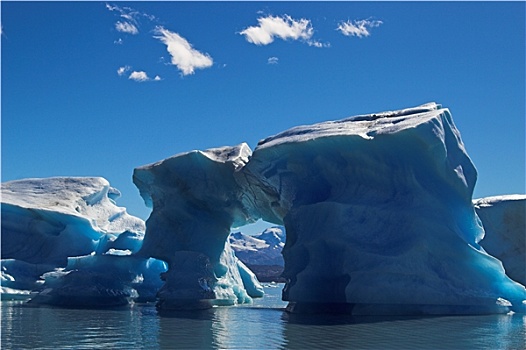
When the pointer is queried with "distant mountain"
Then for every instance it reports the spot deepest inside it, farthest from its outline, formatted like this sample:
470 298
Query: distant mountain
262 249
261 253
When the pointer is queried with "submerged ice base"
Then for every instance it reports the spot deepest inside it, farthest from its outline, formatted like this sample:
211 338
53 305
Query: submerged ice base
377 209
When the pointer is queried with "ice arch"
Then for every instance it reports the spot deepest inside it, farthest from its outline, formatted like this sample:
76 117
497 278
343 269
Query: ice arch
377 210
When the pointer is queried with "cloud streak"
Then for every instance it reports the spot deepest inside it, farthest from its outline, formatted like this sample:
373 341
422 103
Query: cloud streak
131 16
273 60
284 27
126 27
123 70
358 28
183 55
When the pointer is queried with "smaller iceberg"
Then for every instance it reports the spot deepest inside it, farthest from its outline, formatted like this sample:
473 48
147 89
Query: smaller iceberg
504 221
65 242
195 200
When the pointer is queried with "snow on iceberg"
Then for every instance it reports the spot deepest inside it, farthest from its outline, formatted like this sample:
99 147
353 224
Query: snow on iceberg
49 223
379 217
195 200
504 221
61 217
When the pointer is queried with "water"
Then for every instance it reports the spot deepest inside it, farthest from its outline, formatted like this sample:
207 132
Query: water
262 325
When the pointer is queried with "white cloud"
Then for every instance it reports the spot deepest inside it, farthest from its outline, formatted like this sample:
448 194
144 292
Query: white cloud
184 56
139 76
282 27
126 27
318 43
358 28
123 70
272 60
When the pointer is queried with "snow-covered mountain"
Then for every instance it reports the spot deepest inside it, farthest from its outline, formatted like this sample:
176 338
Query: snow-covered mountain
262 249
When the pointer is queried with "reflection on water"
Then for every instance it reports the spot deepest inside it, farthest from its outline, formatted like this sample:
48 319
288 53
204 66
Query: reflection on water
263 325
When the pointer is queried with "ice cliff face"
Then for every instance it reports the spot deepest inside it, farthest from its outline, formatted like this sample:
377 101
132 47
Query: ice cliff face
377 210
504 221
65 238
196 200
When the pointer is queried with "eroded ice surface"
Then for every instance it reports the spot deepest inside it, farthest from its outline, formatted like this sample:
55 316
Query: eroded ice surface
504 221
195 200
379 217
377 209
69 230
62 217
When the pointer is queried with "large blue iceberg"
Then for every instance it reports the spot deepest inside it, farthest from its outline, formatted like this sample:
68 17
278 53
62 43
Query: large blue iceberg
377 208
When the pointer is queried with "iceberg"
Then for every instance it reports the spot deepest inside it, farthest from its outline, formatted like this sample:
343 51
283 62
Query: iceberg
65 242
377 208
379 217
63 217
195 200
504 221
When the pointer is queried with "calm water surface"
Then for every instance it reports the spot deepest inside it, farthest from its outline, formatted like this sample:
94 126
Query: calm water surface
262 325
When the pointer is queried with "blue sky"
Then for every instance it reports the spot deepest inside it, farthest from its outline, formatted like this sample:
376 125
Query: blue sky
99 88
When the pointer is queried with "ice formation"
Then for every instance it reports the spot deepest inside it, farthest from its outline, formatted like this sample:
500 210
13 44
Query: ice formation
69 230
504 221
377 208
195 200
379 217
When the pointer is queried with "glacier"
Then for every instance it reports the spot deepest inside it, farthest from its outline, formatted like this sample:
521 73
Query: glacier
65 242
504 221
377 208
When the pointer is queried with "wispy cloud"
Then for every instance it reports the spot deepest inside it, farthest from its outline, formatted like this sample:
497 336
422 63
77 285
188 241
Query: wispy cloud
141 76
358 28
126 27
184 56
131 16
284 27
272 60
123 70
